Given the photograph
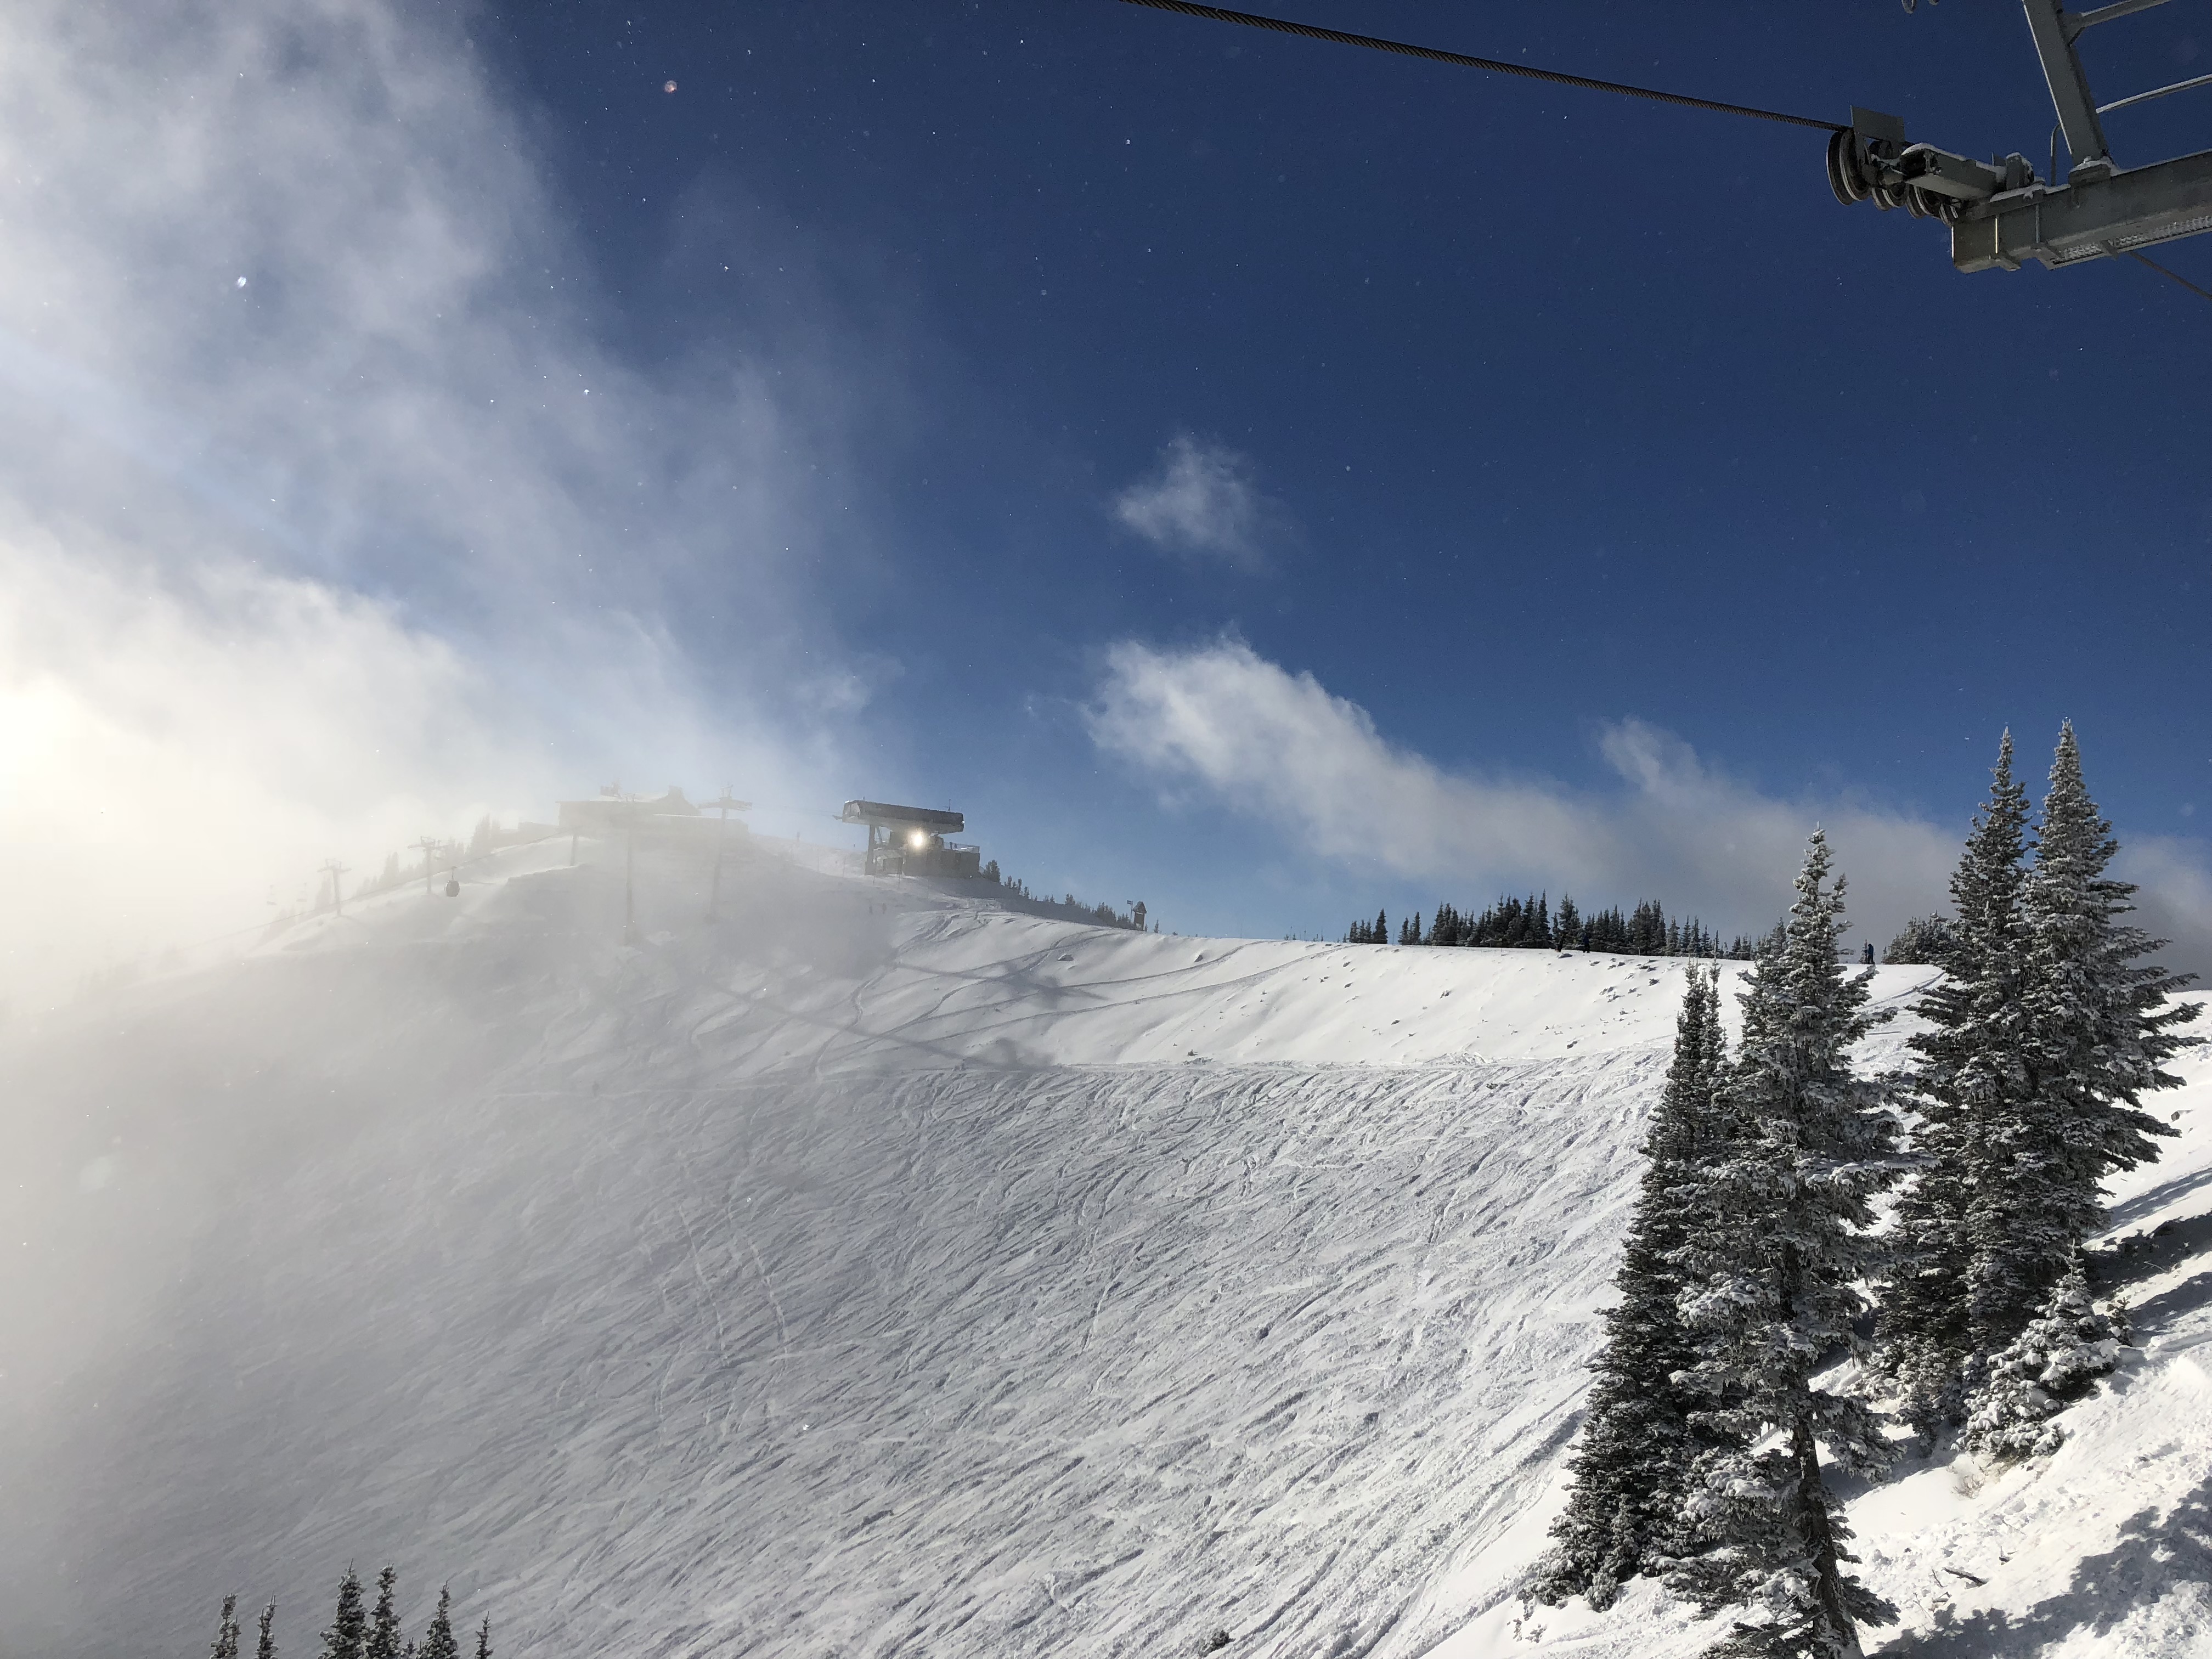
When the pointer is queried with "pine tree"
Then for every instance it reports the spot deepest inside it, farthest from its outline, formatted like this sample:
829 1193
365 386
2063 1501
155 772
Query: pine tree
2055 1361
1925 940
2093 1031
266 1647
1631 1471
383 1623
1568 924
1382 934
1969 1077
225 1645
438 1641
483 1639
349 1631
1770 1275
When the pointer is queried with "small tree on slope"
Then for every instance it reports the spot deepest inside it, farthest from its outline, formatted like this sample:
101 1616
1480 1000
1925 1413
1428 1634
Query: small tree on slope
349 1630
266 1646
225 1645
1769 1297
2055 1361
384 1623
1631 1471
438 1641
1971 1075
2094 1029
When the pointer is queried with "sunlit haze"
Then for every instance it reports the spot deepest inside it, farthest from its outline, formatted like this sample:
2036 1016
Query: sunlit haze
414 413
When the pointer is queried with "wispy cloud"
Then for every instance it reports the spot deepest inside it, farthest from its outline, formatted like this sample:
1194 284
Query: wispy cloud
1201 500
1282 748
323 515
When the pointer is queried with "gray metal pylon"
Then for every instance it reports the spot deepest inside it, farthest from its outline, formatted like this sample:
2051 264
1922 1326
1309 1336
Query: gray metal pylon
2069 87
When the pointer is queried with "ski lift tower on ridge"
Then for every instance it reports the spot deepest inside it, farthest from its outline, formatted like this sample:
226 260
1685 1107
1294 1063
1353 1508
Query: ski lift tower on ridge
910 841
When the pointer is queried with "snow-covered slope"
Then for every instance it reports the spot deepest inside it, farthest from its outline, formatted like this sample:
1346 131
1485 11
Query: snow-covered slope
873 1271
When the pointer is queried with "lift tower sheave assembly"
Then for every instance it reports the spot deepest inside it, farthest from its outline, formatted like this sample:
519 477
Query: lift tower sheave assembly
2000 215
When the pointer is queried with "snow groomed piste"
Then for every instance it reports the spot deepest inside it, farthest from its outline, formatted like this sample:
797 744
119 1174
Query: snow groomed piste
875 1271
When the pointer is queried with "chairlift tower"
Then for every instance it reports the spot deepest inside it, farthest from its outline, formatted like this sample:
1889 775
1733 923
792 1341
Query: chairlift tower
727 805
429 854
336 872
2000 213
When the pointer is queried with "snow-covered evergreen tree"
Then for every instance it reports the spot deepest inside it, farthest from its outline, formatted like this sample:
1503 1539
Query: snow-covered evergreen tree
1631 1470
1971 1075
2095 1028
1770 1296
225 1645
383 1623
438 1641
266 1647
1925 941
483 1639
349 1630
2055 1361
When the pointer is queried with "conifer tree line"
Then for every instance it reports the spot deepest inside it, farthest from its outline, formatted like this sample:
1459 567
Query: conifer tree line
1745 1273
1533 924
357 1631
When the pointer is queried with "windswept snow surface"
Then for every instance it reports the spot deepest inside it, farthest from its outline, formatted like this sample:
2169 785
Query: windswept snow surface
874 1271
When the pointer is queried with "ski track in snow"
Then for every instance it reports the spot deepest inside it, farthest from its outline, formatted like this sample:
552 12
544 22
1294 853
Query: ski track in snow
877 1272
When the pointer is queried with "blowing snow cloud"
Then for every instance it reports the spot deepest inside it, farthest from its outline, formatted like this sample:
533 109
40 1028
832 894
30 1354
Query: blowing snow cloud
324 519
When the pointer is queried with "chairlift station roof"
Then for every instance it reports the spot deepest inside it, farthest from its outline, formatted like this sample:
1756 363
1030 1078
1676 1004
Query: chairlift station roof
915 817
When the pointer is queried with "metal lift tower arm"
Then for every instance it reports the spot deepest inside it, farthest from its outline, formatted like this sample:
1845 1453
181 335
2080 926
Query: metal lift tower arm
2117 213
2070 86
2000 215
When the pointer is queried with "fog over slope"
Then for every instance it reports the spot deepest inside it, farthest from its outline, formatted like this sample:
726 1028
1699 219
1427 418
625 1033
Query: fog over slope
873 1270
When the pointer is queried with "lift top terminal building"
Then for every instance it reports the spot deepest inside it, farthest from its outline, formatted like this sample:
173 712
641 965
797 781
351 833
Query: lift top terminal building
910 841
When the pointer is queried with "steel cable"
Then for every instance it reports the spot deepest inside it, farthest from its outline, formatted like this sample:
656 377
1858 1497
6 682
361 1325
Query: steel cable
1434 55
2171 276
1557 77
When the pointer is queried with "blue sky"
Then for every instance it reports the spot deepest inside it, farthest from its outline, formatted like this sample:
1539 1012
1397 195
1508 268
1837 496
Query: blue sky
1265 477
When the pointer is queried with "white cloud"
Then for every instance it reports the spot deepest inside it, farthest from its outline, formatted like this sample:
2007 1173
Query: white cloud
377 538
1281 748
1201 500
2175 876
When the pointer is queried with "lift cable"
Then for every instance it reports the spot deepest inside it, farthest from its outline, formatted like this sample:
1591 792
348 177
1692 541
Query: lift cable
2171 276
1312 32
1557 77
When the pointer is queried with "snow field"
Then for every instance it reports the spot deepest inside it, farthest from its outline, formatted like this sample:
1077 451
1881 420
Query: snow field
876 1272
